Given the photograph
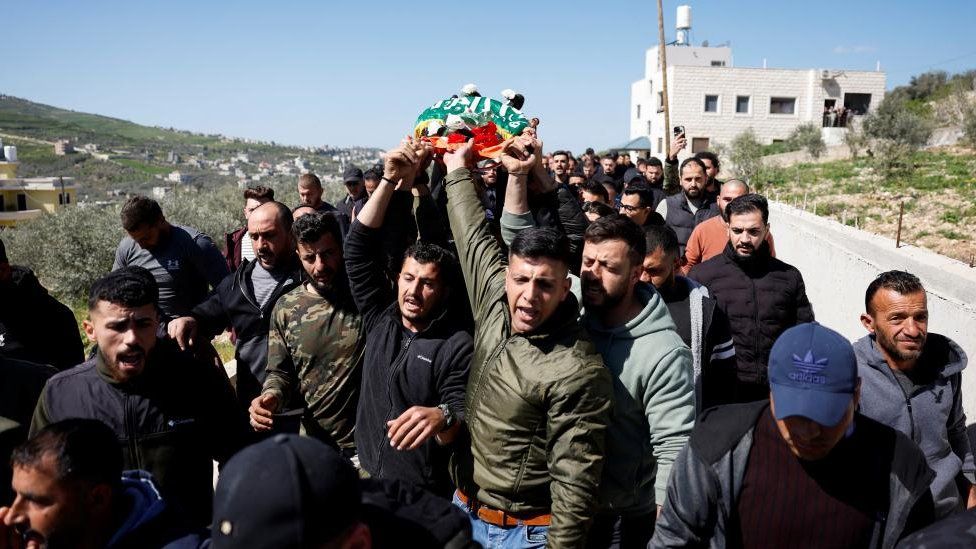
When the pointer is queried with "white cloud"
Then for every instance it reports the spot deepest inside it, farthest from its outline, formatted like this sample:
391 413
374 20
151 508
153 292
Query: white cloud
854 49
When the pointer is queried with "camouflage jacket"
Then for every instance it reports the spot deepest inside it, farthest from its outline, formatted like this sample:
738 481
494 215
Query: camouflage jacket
315 346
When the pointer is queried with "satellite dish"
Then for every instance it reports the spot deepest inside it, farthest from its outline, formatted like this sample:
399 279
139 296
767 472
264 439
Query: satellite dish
705 44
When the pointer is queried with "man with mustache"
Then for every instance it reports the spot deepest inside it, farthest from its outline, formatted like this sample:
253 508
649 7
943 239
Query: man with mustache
173 414
244 300
803 469
654 396
692 206
315 350
759 294
912 380
415 369
72 492
539 398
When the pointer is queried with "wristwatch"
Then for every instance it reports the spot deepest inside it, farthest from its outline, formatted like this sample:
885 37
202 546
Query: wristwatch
449 418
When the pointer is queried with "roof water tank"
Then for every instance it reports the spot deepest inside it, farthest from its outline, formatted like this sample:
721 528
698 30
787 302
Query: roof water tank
10 153
684 17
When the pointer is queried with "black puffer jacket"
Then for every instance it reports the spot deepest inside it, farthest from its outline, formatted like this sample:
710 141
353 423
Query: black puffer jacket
762 297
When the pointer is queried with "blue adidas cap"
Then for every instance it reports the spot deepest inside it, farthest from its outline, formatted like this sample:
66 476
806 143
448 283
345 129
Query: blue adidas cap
812 373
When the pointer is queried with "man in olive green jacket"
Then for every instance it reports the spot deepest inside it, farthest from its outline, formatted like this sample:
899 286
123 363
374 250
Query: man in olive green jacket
538 401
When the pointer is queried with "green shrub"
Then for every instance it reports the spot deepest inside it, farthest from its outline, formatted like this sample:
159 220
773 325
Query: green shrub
807 137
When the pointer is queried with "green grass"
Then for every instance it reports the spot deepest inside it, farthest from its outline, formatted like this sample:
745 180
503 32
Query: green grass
143 167
952 235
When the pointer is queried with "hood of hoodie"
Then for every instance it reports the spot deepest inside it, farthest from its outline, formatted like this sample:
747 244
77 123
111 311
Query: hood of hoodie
143 500
654 317
24 283
938 350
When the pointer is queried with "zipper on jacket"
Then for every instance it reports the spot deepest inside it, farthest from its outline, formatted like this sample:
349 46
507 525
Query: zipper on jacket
130 432
908 403
763 375
484 369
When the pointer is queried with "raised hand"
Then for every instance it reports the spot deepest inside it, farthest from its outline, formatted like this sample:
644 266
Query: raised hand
461 158
518 156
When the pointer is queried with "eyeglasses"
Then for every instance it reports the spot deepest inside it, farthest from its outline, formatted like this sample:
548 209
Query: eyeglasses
631 209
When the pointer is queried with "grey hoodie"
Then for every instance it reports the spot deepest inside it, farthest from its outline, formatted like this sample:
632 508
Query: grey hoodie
932 416
653 408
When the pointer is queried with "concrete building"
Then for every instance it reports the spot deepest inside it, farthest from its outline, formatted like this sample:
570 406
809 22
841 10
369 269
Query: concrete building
63 147
177 177
715 100
26 198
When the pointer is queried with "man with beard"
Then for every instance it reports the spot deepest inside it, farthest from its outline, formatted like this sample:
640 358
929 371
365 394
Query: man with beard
710 237
712 167
173 414
244 301
72 492
560 167
538 403
759 294
912 381
698 319
185 262
654 173
686 210
415 370
34 326
314 347
654 397
310 193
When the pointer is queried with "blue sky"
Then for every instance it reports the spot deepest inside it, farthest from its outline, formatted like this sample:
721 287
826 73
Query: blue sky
359 72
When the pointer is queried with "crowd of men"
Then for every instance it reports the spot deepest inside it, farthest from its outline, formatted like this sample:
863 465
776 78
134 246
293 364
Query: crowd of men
539 350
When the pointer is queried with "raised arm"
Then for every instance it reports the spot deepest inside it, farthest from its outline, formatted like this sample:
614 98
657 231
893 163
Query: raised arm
478 252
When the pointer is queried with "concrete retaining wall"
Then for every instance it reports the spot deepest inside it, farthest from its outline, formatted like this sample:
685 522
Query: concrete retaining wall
838 263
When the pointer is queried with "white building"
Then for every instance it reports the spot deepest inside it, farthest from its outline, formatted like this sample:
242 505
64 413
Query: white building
177 177
715 101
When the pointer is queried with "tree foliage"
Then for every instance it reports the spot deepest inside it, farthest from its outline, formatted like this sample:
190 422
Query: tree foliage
745 153
896 132
807 137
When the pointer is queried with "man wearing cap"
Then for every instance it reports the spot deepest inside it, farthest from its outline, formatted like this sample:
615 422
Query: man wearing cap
913 382
355 194
314 498
804 468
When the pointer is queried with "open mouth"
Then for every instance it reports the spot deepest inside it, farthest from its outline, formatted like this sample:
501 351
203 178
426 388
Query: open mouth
130 360
526 314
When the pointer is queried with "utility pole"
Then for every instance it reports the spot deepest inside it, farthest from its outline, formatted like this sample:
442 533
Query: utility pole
663 61
64 201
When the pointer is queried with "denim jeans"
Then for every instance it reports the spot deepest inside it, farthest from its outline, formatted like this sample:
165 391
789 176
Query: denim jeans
496 537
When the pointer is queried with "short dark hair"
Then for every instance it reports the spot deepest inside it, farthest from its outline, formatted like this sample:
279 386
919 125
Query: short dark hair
541 242
308 180
692 160
589 150
899 281
260 193
661 236
643 192
129 287
595 187
710 156
748 203
372 175
599 208
563 153
312 227
618 227
83 449
140 211
641 161
655 161
427 252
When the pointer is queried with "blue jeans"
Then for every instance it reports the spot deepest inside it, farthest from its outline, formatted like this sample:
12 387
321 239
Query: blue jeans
496 537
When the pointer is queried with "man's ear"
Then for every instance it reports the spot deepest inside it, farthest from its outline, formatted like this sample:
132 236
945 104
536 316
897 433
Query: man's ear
868 322
100 499
89 327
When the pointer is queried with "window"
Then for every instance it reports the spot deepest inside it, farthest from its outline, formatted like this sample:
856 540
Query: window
718 63
660 101
638 111
742 104
699 144
859 103
648 127
21 202
711 103
660 145
60 199
67 198
782 105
